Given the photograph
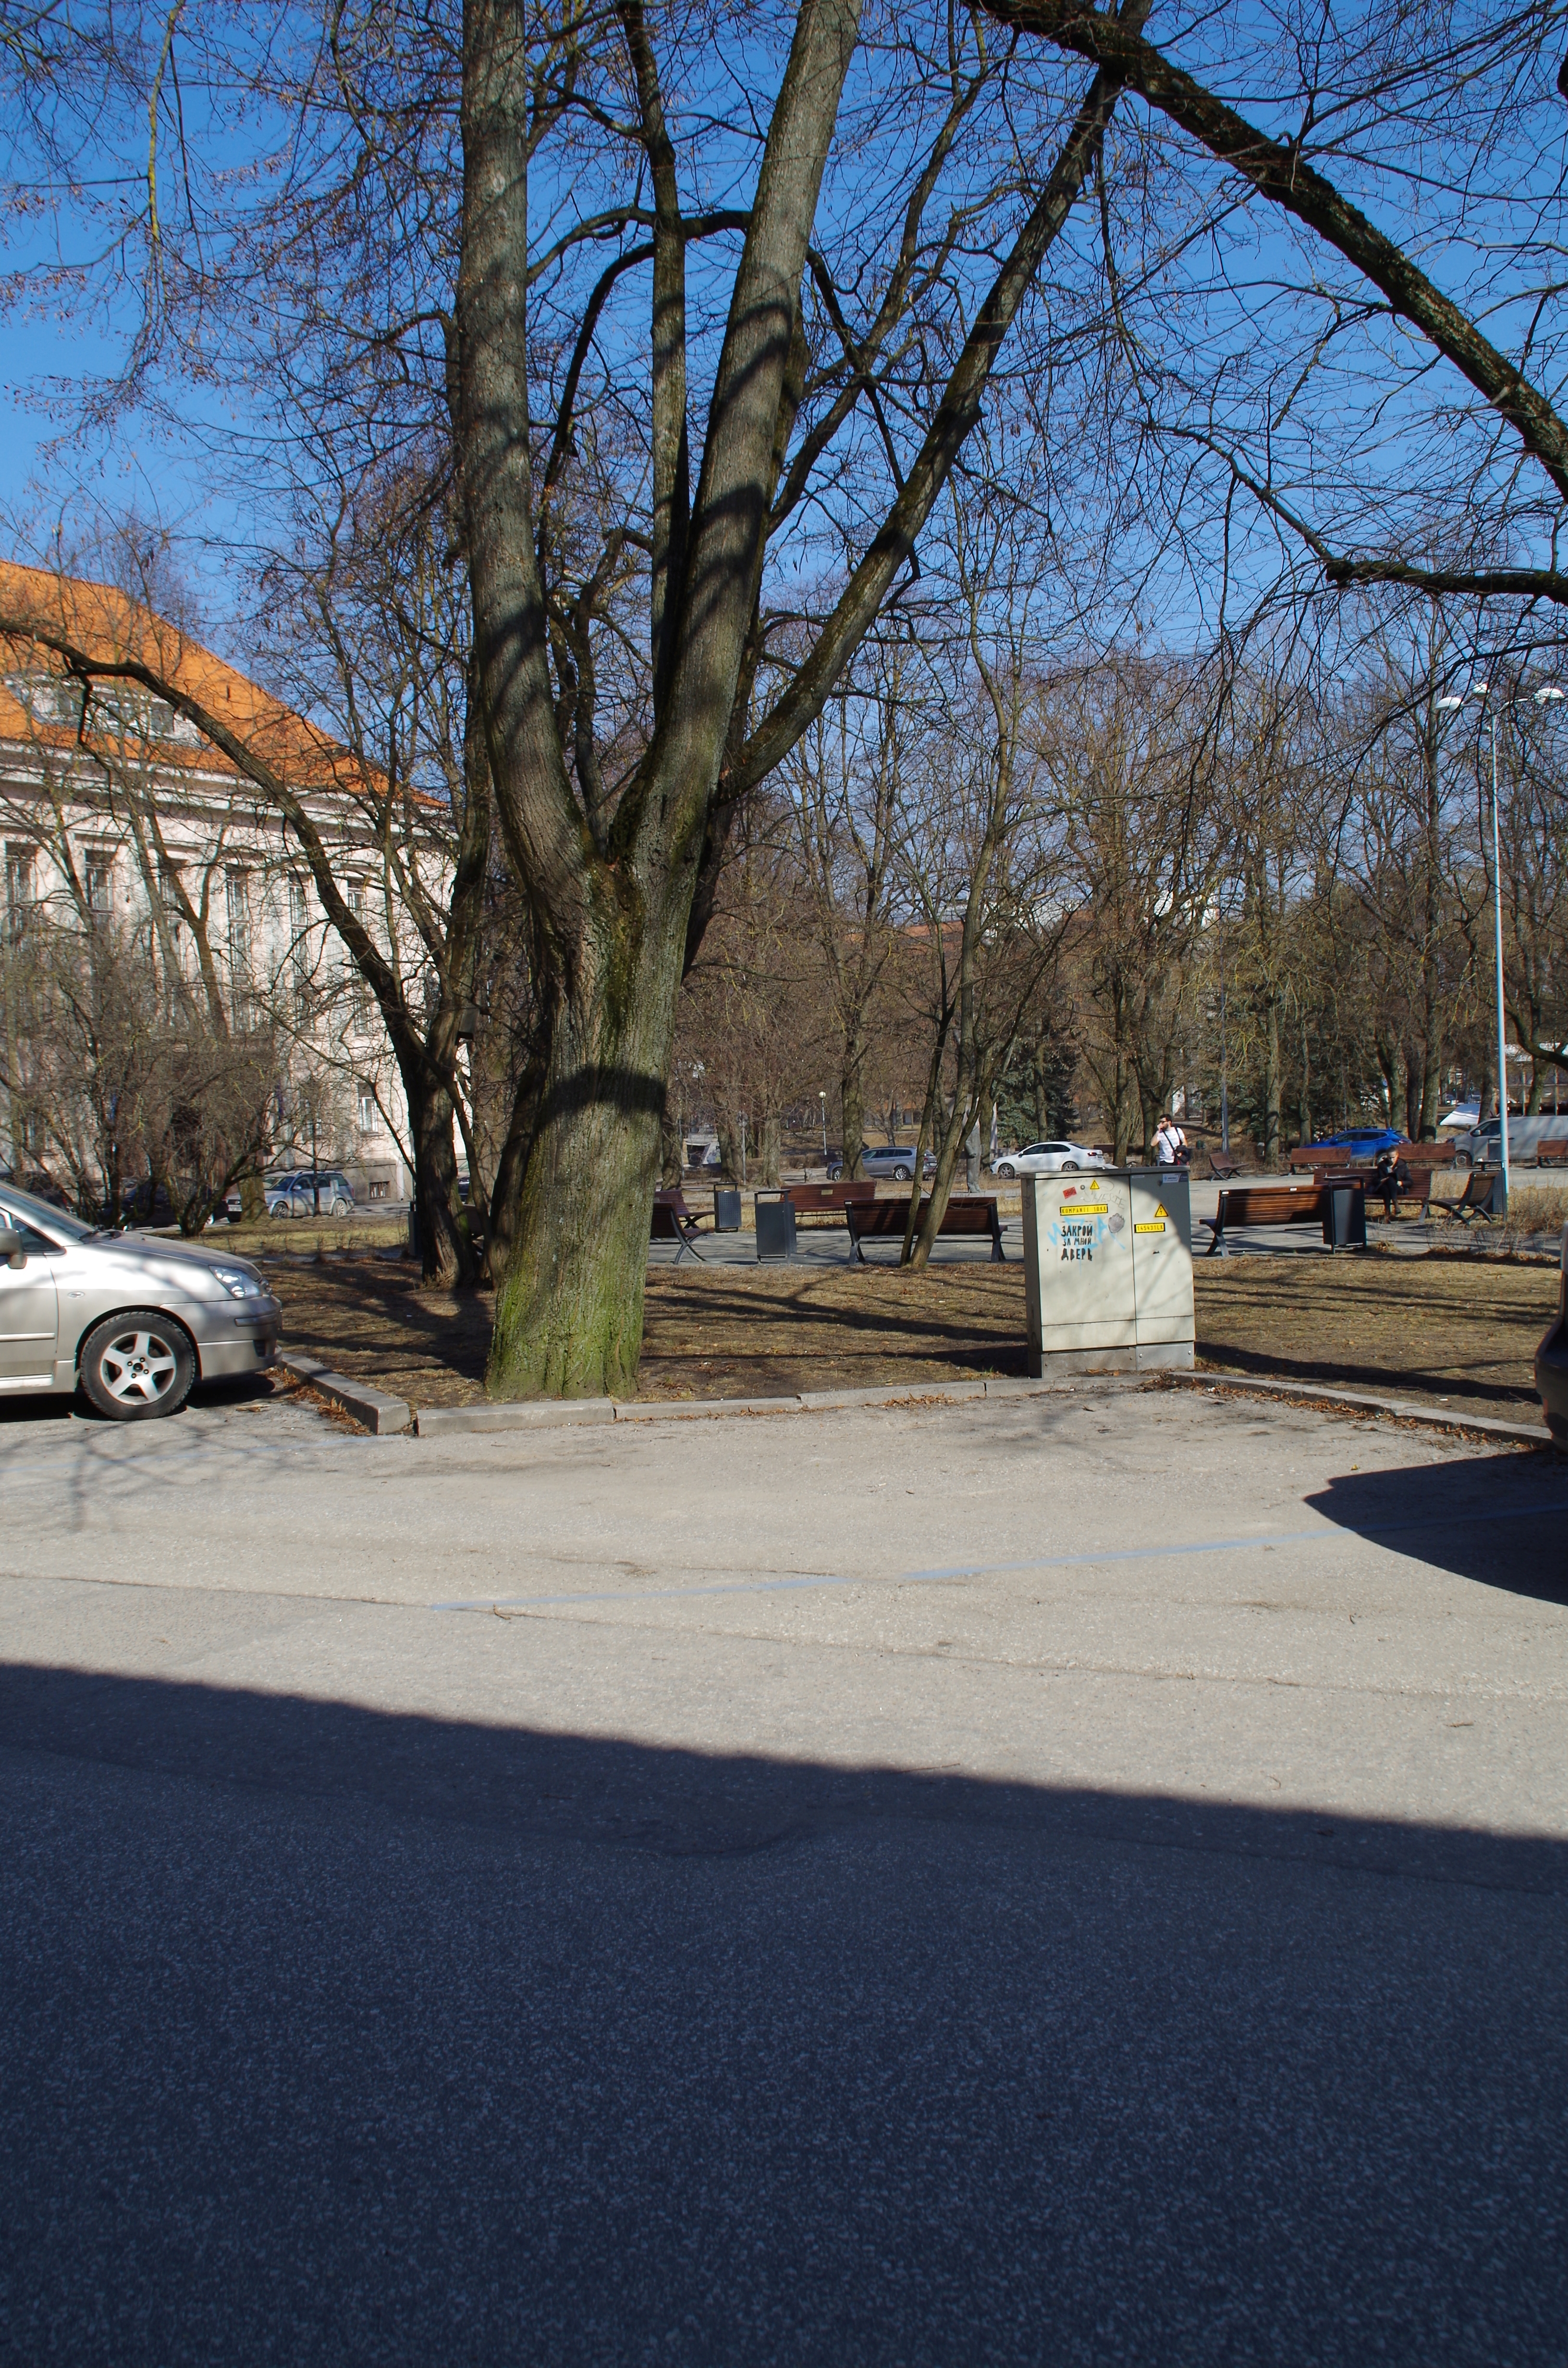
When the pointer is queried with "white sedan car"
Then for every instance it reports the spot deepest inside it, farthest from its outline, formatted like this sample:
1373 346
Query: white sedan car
1047 1158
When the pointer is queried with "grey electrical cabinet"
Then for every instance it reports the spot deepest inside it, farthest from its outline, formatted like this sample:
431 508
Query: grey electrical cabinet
1107 1270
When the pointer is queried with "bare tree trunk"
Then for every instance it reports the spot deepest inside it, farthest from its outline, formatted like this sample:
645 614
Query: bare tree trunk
672 1154
1305 1117
852 1100
1273 1089
768 1169
906 1256
446 1252
1040 1089
569 1310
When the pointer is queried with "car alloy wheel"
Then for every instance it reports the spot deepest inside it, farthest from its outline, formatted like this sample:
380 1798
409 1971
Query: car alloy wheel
137 1364
901 1175
1005 1170
1069 1168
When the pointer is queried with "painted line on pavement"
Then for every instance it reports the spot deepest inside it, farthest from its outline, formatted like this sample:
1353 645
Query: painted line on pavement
1264 1538
1326 1530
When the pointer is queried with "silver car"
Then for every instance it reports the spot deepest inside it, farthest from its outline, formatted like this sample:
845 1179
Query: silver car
310 1193
136 1320
1049 1159
894 1159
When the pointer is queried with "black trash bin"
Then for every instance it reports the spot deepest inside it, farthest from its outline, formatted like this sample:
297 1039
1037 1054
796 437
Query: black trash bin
775 1230
726 1212
1344 1227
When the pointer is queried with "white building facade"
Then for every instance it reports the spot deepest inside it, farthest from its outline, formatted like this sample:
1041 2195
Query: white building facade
179 895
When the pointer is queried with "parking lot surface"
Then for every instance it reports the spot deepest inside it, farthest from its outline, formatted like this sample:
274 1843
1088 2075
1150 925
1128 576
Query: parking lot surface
1068 1878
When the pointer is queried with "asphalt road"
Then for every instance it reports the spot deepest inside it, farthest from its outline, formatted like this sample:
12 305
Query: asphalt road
1074 1879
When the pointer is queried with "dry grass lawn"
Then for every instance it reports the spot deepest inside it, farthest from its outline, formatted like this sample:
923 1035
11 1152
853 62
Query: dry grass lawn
1459 1333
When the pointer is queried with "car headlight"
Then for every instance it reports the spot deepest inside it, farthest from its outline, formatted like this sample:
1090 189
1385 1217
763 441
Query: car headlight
237 1283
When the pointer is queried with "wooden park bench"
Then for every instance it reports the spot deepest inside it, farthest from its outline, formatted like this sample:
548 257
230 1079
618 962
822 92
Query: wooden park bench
1476 1200
1336 1163
1553 1154
1221 1166
1411 1182
1271 1204
970 1214
672 1220
1318 1156
828 1200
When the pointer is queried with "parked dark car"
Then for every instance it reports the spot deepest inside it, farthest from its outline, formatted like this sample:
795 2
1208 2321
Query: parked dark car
41 1185
146 1204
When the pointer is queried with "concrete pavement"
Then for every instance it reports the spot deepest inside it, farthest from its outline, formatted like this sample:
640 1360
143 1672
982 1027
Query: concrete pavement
1080 1878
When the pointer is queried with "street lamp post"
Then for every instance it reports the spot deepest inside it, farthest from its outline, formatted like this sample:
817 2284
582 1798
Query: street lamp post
1547 696
1224 1055
822 1097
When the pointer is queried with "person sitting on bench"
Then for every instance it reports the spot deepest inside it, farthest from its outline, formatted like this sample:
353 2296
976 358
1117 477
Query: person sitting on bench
1391 1178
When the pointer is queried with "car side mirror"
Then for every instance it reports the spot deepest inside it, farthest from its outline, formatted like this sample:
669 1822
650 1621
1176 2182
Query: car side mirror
12 1248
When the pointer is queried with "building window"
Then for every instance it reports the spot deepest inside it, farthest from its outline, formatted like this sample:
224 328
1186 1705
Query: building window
173 925
97 879
46 699
370 1116
299 950
359 994
19 865
237 916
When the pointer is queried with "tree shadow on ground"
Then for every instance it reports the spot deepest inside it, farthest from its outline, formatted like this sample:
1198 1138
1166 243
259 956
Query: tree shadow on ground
339 2035
1398 1380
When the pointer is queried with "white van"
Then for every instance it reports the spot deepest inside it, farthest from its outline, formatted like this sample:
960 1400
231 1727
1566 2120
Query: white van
1484 1149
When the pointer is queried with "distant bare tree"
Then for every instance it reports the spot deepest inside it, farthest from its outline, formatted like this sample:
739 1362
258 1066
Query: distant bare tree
1134 779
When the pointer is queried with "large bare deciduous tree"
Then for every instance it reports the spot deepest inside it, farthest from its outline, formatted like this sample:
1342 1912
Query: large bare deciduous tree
454 214
614 881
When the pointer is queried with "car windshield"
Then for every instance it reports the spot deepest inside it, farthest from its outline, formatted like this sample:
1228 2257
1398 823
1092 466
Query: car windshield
58 1221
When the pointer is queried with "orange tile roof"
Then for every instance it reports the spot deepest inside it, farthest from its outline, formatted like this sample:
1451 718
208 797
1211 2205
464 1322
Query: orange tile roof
106 623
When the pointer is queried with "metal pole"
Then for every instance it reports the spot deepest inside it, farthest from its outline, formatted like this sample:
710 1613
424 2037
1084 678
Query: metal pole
1498 910
1225 1060
823 1099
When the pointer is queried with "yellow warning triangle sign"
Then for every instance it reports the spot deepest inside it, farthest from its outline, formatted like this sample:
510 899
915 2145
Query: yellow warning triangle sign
1161 1209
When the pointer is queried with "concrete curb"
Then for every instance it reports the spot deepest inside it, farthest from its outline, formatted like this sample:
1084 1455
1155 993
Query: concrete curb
898 1394
1358 1401
688 1409
377 1412
372 1409
441 1422
530 1414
